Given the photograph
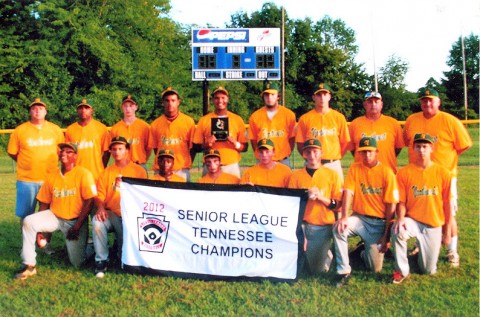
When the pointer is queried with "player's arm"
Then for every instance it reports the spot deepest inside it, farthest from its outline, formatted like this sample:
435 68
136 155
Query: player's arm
401 212
105 158
384 241
74 231
43 206
300 147
13 156
253 142
291 143
346 203
101 214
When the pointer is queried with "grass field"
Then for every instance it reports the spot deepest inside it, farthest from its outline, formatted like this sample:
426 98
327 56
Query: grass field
60 290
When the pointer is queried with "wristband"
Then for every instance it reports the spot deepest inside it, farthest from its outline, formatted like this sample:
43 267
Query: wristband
333 204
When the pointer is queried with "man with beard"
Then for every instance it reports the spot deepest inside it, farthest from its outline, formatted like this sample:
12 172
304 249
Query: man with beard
274 122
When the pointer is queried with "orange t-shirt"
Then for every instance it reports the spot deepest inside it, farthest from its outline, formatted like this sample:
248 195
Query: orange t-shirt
330 128
108 191
224 178
65 193
424 191
137 135
236 129
372 188
173 135
276 177
92 141
36 150
280 129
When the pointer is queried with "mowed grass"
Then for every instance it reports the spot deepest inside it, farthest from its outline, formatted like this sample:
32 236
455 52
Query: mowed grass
60 290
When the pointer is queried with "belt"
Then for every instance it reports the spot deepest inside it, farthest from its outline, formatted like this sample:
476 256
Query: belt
370 217
327 161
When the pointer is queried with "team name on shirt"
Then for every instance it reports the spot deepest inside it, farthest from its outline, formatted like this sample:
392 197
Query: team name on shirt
378 137
64 192
86 144
323 132
40 142
369 190
272 133
424 191
171 141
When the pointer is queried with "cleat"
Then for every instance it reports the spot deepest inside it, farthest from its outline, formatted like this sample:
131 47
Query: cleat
25 272
398 278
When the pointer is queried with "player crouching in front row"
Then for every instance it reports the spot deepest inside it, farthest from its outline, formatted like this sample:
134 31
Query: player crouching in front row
424 207
65 199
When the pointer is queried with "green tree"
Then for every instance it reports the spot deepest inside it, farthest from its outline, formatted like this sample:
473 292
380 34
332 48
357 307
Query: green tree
453 83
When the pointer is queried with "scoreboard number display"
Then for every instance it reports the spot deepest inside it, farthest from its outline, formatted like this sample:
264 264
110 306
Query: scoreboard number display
236 54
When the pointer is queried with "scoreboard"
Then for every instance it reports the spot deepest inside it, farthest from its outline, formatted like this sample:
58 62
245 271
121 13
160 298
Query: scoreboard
236 54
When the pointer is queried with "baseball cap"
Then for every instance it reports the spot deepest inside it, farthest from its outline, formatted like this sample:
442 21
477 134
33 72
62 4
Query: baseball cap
84 103
129 98
270 87
220 89
266 143
373 94
367 144
166 152
211 153
323 87
38 102
427 93
169 91
423 137
119 140
312 143
72 146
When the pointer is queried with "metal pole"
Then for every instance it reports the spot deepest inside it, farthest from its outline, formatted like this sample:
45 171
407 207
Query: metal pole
465 95
206 97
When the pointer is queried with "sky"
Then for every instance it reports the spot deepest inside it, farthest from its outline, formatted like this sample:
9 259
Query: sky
420 32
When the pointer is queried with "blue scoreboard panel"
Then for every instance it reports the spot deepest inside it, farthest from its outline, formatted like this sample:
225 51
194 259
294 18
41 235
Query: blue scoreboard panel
236 54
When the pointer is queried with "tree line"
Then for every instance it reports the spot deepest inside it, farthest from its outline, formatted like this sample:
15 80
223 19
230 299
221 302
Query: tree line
66 50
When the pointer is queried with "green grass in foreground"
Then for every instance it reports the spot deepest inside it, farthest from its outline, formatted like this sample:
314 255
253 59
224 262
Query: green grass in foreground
60 290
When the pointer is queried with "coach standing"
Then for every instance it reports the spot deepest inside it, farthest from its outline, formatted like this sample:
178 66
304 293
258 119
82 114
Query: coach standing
33 145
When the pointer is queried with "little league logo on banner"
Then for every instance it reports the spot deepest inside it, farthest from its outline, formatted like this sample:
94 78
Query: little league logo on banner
212 231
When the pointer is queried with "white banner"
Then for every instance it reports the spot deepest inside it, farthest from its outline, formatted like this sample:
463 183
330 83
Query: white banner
211 231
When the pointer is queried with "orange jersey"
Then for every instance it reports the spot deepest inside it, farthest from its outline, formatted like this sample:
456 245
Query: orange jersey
174 178
173 135
328 182
137 134
449 133
36 150
276 177
424 191
224 178
279 129
236 129
109 190
386 130
66 193
92 141
330 128
372 188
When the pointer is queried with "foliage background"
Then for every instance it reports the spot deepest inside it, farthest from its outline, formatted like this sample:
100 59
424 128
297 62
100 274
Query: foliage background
66 50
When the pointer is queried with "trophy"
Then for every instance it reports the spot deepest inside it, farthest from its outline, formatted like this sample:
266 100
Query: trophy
220 128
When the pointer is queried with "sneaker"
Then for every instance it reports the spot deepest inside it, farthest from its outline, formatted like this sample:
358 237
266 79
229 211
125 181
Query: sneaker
414 251
100 268
453 258
342 279
25 272
398 278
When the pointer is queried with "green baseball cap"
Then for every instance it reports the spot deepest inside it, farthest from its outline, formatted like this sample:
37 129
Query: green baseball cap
266 143
312 143
270 87
323 87
72 146
423 137
367 144
428 93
